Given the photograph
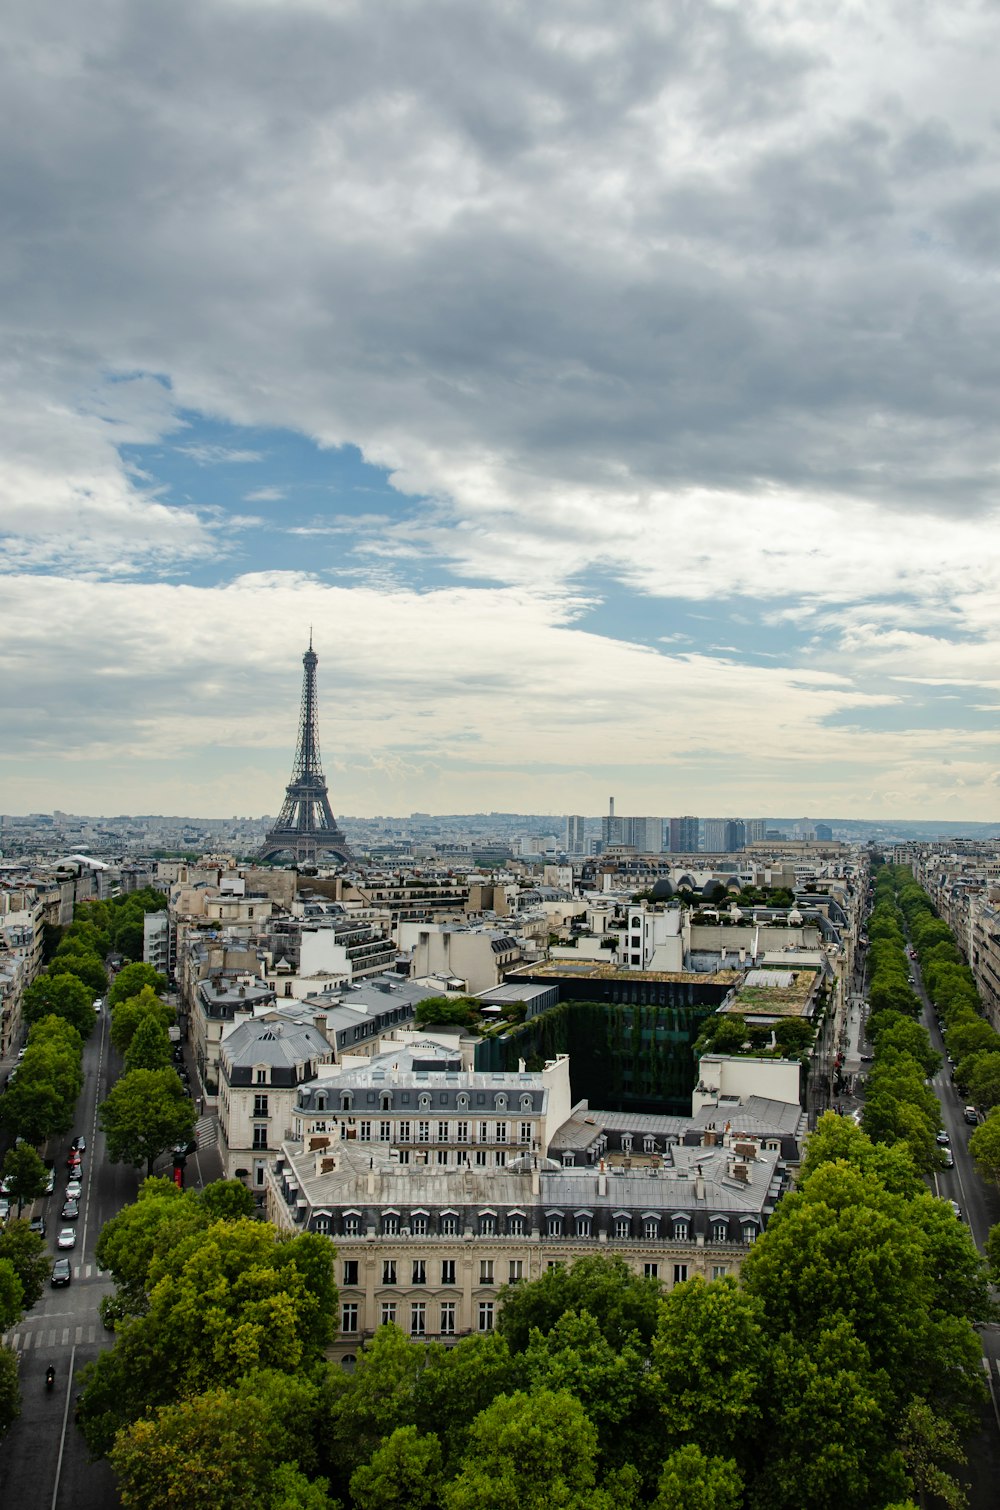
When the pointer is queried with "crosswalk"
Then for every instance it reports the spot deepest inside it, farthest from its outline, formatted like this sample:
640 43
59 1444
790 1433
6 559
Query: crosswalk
23 1340
206 1133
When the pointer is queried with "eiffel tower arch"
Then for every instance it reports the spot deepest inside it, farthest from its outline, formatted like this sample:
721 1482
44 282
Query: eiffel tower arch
306 828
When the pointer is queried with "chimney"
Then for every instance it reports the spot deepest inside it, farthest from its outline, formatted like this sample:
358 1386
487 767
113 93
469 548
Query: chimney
699 1184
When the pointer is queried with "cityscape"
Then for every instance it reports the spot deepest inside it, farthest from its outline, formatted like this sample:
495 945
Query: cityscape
499 766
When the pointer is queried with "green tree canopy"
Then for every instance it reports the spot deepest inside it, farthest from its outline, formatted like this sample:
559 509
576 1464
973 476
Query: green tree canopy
130 980
145 1113
690 1480
984 1146
403 1474
25 1251
25 1175
11 1295
223 1447
127 1015
224 1301
534 1451
620 1301
709 1357
85 966
149 1048
10 1389
60 996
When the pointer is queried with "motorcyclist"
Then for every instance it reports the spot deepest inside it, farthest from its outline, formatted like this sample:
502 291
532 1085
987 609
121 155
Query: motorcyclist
50 1377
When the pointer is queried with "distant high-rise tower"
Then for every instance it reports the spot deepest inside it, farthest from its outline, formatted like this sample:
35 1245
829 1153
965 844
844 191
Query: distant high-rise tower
684 835
306 826
575 834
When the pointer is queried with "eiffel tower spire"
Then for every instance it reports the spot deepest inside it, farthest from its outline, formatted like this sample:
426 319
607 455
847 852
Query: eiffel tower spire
306 826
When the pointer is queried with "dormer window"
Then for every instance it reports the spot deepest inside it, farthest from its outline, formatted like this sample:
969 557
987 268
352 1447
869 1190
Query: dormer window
346 1101
526 1103
425 1101
385 1101
501 1102
262 1077
463 1101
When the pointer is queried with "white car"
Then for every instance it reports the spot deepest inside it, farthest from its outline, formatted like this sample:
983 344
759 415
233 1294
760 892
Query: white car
74 1189
98 1003
66 1238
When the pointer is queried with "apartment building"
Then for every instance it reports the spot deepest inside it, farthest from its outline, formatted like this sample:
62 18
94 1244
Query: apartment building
262 1062
428 1246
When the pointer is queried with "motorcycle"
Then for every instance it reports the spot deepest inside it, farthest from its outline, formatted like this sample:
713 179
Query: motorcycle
50 1377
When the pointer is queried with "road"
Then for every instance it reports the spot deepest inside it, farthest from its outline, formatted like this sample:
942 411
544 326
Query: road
980 1205
43 1459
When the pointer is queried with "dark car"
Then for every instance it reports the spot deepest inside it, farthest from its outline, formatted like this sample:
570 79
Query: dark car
37 1225
80 1144
70 1211
62 1272
943 1138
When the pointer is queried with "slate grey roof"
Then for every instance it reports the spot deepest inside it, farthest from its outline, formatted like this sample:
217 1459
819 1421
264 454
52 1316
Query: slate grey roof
260 1041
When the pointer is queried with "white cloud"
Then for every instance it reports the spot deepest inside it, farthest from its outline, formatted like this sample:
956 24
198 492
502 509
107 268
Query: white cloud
699 299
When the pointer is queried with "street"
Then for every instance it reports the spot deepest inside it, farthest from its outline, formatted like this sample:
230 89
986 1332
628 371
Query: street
43 1460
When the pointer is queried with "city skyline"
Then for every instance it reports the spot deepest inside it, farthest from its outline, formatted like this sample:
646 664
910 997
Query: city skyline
611 391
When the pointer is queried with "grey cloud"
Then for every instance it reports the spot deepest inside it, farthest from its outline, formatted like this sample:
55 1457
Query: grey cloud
587 240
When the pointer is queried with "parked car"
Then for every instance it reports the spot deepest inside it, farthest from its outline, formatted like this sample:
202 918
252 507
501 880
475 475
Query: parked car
972 1116
956 1210
37 1225
62 1272
947 1159
50 1183
66 1238
4 1209
943 1137
70 1211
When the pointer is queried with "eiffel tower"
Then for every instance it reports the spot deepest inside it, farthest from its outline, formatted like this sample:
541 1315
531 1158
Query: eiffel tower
306 825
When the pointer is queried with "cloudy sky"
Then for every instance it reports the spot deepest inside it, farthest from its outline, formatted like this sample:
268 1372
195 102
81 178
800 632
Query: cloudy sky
612 386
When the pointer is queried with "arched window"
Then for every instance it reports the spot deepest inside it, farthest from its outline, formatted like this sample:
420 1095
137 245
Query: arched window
501 1101
321 1101
346 1101
385 1101
463 1101
425 1101
526 1103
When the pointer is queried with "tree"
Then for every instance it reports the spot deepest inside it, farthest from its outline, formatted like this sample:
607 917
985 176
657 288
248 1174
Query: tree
128 1014
145 1113
85 966
534 1451
150 1047
223 1302
25 1176
984 1146
367 1408
403 1474
60 996
455 1384
447 1009
983 1084
691 1481
222 1447
615 1386
838 1138
967 1037
618 1299
11 1295
10 1388
27 1254
709 1355
842 1247
827 1441
130 980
